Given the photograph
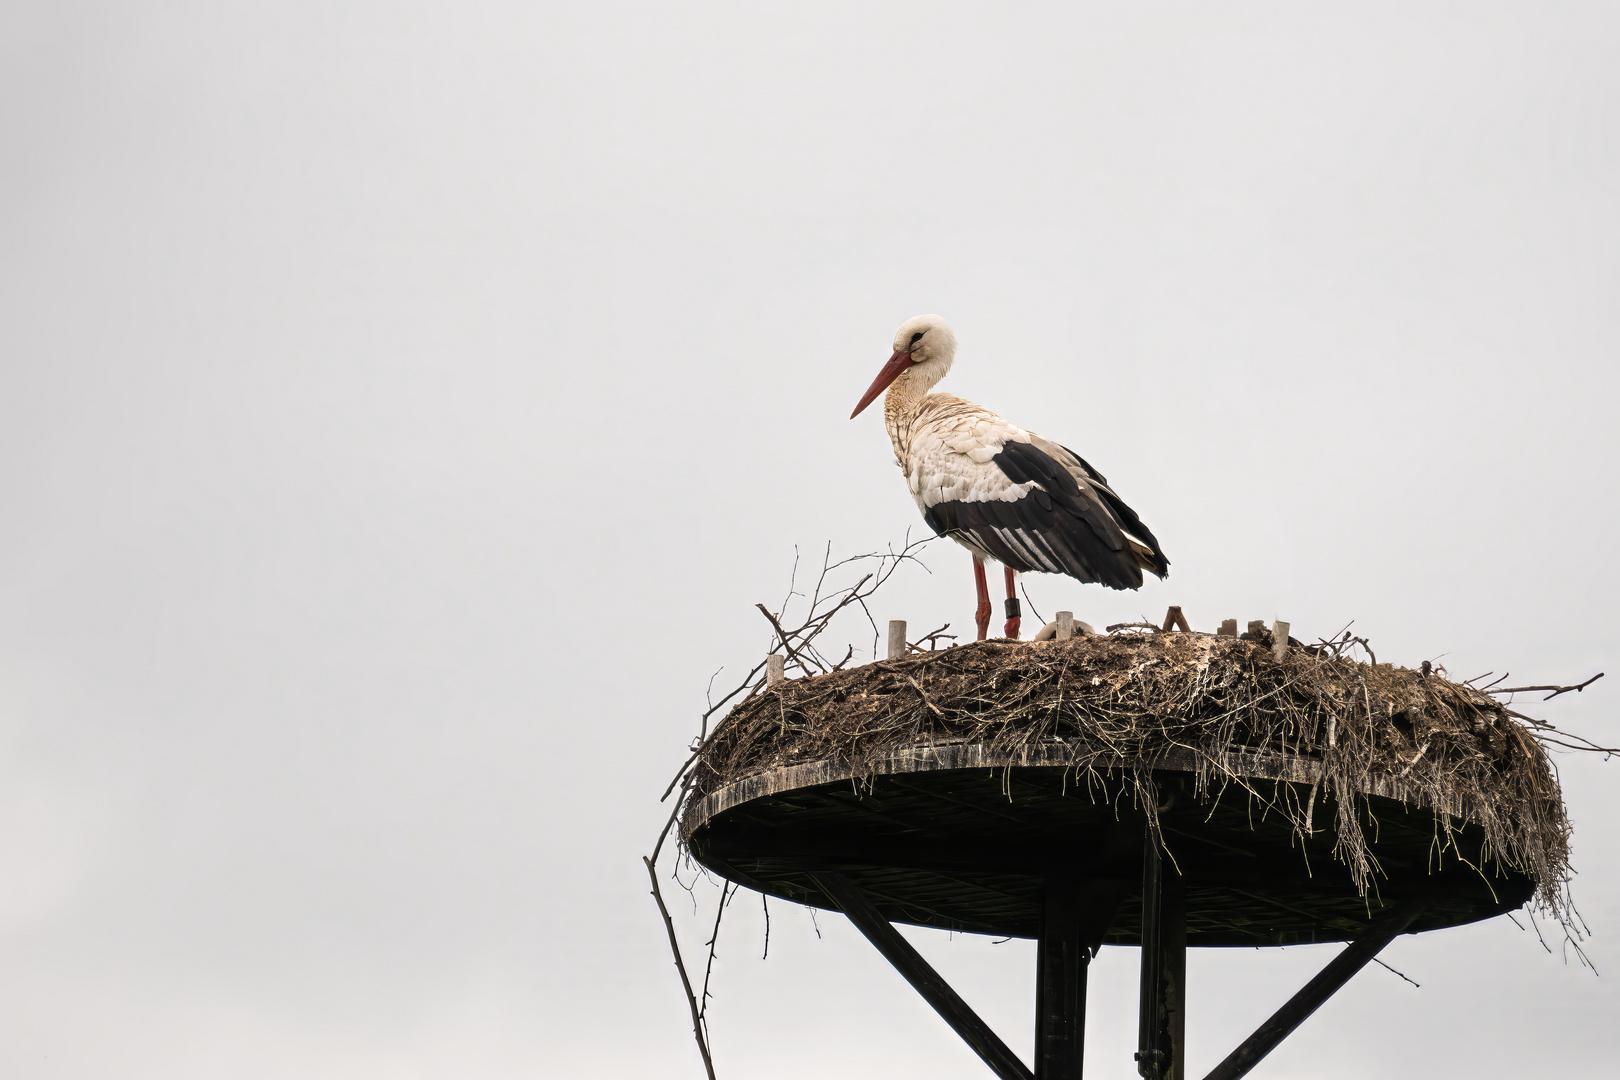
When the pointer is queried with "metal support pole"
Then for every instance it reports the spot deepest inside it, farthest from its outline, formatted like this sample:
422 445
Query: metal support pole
1150 1053
1173 972
1162 1015
1075 916
921 975
1061 960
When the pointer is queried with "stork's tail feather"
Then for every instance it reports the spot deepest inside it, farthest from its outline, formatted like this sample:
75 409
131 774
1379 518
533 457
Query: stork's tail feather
1148 559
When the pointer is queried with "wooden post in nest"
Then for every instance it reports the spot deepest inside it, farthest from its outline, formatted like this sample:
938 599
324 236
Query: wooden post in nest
1065 625
1279 640
897 639
1175 620
1228 628
775 669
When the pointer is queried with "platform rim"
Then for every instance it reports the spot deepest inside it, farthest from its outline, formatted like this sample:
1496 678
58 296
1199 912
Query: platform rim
942 757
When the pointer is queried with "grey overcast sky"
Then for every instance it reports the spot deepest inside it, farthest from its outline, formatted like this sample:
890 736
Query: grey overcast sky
402 406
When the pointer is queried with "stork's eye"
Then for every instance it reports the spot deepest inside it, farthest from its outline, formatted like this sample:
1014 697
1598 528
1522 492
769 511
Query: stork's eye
916 337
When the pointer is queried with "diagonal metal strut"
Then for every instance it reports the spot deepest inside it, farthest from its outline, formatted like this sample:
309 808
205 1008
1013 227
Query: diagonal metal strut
921 975
1357 955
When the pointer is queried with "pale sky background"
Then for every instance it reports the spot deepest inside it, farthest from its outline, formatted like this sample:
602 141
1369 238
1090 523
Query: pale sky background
402 406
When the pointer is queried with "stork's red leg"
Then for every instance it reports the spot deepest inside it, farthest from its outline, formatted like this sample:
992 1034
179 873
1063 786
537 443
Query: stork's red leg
1013 607
982 614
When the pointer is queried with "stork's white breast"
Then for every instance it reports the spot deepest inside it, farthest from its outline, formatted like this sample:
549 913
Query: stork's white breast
950 457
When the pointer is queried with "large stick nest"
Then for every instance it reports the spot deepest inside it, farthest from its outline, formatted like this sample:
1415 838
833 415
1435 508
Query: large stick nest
1120 700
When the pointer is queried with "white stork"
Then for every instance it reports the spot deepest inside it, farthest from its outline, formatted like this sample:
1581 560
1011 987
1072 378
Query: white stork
1000 491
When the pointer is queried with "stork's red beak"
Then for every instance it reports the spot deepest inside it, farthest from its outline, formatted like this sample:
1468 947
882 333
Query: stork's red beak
891 371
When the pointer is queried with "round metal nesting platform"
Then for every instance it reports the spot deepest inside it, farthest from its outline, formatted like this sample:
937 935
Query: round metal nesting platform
960 838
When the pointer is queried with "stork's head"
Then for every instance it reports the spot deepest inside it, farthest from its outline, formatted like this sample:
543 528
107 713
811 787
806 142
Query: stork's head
923 350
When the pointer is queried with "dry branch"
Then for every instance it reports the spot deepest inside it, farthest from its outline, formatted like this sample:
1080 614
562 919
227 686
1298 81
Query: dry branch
686 982
1556 690
931 639
823 607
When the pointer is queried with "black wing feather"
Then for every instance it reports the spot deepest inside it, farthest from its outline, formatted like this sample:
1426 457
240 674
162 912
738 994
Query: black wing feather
1056 527
1124 514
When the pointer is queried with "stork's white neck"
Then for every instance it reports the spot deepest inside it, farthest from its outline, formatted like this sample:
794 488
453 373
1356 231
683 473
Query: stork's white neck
904 400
